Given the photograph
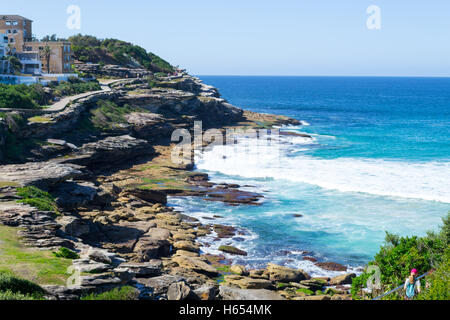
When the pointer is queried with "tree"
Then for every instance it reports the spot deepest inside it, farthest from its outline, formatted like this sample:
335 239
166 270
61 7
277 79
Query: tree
46 54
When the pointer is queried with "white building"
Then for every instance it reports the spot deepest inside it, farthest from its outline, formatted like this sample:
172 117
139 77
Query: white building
4 63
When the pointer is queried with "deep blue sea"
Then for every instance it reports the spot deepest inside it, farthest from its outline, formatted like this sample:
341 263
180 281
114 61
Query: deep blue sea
379 161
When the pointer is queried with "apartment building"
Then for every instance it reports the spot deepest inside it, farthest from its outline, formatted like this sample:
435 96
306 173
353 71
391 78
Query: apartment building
18 29
4 63
60 58
21 41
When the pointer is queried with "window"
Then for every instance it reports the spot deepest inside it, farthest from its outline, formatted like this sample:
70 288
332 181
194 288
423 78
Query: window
11 40
15 23
24 23
8 31
14 31
8 23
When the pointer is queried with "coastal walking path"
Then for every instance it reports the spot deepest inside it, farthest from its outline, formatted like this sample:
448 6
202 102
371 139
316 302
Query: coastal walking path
63 103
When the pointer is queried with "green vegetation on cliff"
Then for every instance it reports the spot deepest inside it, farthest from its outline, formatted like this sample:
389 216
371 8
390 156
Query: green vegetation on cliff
401 254
124 293
112 51
37 198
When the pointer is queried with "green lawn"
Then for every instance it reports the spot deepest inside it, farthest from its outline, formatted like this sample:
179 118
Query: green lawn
39 266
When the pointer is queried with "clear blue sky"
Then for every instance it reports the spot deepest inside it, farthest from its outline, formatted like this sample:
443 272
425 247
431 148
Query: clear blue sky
250 37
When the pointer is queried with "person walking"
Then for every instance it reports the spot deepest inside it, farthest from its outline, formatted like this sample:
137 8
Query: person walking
412 285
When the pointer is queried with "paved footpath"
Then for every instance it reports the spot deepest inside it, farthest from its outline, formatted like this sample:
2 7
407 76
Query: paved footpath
61 105
64 102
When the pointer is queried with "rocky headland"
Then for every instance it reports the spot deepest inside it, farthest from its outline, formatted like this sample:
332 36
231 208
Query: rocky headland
95 177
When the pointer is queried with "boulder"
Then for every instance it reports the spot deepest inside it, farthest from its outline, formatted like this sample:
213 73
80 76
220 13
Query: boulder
99 256
342 279
238 269
230 293
207 292
232 250
70 195
160 284
195 264
75 227
332 266
144 269
186 245
180 291
152 196
247 283
285 274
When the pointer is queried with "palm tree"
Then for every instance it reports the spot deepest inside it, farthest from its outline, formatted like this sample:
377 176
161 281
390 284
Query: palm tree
46 53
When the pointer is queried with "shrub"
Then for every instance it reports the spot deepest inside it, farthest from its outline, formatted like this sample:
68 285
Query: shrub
124 293
9 295
439 282
66 253
37 198
401 254
14 285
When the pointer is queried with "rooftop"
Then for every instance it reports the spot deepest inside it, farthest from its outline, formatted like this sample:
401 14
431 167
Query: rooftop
13 17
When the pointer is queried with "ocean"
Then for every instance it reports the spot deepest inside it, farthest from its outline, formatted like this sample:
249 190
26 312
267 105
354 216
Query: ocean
379 161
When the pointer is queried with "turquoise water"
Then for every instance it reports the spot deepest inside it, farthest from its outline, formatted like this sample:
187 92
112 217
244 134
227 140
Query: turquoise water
379 160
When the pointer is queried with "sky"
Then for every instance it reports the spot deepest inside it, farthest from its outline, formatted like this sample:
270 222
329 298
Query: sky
260 37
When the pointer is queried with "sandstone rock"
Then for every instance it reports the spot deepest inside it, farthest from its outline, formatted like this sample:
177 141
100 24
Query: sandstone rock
259 274
342 279
179 291
232 250
314 284
207 292
186 245
70 195
43 175
238 269
332 266
111 151
186 253
247 283
99 256
145 269
160 285
196 264
321 297
184 237
230 293
285 274
152 196
149 248
75 227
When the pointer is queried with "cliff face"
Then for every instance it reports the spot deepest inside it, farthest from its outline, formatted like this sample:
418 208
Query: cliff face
105 161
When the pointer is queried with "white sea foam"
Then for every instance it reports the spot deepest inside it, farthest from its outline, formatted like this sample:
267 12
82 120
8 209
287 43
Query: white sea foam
427 181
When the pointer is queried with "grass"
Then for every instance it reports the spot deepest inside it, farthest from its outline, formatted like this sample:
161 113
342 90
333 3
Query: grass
8 184
124 293
39 119
37 198
39 266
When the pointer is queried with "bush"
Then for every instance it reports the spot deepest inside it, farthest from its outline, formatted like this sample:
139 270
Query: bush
66 253
439 282
124 293
17 96
37 198
9 295
401 254
112 51
11 285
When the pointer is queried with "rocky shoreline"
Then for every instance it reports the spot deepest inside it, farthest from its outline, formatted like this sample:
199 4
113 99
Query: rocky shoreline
110 174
